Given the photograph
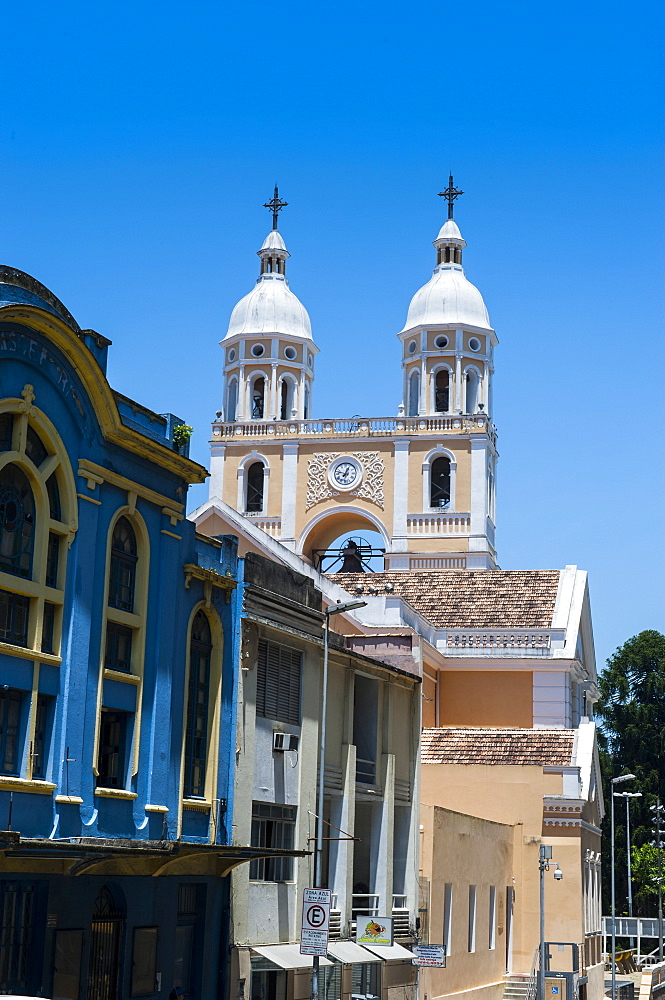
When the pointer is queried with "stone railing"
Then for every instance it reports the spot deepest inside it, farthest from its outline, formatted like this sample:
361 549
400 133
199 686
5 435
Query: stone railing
438 524
499 642
271 525
354 427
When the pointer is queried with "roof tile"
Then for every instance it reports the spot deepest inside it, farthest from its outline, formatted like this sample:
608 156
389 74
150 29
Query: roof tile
453 745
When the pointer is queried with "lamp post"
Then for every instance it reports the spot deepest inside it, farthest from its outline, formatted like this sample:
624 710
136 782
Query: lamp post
544 862
613 782
628 796
658 810
333 609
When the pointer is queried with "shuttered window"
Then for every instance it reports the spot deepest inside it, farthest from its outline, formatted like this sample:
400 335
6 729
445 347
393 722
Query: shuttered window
278 682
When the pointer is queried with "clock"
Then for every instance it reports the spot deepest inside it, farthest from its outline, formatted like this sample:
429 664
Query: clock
345 473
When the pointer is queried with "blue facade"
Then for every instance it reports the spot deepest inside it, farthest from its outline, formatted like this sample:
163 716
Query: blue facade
118 645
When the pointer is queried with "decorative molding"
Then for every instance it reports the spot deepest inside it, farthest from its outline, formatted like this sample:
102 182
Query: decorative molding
370 488
114 793
11 784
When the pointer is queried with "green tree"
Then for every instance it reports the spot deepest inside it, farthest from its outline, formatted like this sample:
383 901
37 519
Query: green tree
632 739
644 861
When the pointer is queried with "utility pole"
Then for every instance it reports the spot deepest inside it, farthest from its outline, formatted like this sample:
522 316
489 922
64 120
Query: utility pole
658 810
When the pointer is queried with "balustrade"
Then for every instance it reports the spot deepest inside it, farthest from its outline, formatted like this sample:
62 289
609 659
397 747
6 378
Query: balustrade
356 427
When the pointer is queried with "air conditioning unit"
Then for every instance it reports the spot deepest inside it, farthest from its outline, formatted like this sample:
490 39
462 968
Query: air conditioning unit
285 741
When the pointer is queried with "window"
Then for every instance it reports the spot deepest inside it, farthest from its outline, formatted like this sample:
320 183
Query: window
365 727
412 347
414 394
290 353
472 382
232 400
40 742
258 350
255 488
272 826
472 918
442 391
112 741
34 447
14 611
492 918
10 723
6 431
48 628
144 961
118 655
441 342
306 403
366 980
287 396
53 498
278 682
17 522
52 559
198 701
231 355
18 965
440 482
448 918
258 394
189 936
122 577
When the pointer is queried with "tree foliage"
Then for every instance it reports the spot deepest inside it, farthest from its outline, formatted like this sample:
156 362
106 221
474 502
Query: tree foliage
632 739
644 862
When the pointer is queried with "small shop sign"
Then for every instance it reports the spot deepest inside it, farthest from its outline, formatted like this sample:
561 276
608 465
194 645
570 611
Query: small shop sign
429 955
375 931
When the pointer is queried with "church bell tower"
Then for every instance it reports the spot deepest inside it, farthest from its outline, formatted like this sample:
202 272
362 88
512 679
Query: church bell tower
423 479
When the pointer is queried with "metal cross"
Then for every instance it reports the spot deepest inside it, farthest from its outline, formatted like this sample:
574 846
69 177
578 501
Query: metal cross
275 205
450 193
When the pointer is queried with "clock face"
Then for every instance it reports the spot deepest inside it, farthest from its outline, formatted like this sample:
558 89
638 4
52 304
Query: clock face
345 473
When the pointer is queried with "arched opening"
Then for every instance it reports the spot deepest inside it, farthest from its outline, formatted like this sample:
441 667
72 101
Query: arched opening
122 575
106 931
332 531
306 402
439 484
258 397
198 705
472 386
442 391
231 400
255 488
414 394
17 522
287 394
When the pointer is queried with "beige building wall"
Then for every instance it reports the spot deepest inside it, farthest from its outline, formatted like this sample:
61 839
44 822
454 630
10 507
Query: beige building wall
486 698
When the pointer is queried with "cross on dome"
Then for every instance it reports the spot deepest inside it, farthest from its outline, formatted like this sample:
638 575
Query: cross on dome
450 194
276 205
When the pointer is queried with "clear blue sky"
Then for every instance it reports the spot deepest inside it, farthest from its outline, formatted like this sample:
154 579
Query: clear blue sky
139 142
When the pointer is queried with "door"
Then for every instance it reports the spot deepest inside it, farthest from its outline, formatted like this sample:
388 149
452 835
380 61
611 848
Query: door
108 920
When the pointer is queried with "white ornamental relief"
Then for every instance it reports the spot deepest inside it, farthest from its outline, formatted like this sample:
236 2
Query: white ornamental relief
319 487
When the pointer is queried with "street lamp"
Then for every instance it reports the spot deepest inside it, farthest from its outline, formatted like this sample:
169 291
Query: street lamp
613 782
333 609
628 796
544 862
658 810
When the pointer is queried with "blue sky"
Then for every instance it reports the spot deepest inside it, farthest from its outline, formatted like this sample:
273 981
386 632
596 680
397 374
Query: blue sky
139 142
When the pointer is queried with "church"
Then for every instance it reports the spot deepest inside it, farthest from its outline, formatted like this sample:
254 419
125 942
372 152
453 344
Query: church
508 754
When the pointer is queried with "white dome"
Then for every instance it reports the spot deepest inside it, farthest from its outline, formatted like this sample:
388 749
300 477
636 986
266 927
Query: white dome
447 298
273 241
270 308
450 231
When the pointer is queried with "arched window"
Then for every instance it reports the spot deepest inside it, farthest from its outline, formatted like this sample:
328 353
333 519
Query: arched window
472 385
414 394
440 482
17 522
258 397
198 705
122 575
442 391
255 485
286 398
232 400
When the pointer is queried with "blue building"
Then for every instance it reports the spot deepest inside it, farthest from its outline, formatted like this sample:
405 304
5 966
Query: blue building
118 646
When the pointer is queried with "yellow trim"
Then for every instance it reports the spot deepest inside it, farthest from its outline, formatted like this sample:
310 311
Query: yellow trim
30 588
9 784
82 496
171 535
120 675
88 470
100 394
156 809
196 805
214 711
29 654
72 800
115 793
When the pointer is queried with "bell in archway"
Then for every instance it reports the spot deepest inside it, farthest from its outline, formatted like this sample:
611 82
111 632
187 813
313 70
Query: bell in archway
352 563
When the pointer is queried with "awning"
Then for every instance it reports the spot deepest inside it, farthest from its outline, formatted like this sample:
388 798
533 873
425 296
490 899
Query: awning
287 956
350 953
392 953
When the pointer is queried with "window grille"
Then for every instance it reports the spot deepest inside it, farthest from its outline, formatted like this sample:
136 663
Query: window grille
10 722
14 609
118 653
122 577
198 701
272 826
16 935
17 522
278 683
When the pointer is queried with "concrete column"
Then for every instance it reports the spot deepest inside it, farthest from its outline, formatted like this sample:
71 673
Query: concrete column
289 480
400 494
422 407
216 488
458 383
382 853
241 413
431 405
300 403
341 851
274 402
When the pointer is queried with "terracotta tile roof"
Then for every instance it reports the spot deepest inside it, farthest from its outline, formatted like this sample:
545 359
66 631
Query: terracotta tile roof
468 598
451 745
